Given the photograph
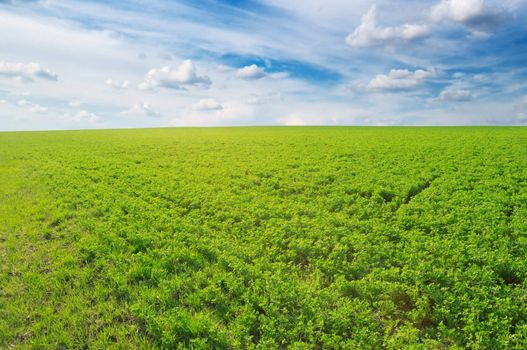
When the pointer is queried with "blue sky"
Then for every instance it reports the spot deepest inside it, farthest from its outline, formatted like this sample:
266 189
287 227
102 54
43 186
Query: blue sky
111 64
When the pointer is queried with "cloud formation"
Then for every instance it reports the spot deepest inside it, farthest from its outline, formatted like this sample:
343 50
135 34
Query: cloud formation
117 84
207 104
369 33
83 117
305 67
75 103
251 72
142 109
32 107
455 94
26 72
400 79
175 78
475 14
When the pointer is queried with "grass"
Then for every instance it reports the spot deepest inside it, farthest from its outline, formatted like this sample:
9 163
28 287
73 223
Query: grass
264 238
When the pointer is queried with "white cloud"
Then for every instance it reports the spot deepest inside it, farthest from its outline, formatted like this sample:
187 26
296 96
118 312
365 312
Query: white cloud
455 94
475 14
400 79
207 104
88 55
174 78
83 117
232 113
38 109
32 107
525 100
368 33
117 84
26 72
24 103
250 72
3 102
142 109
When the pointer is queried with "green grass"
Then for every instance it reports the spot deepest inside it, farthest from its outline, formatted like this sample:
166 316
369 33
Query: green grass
264 238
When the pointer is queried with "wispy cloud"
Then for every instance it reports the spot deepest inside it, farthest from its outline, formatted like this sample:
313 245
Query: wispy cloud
141 109
33 107
369 33
26 71
261 62
117 84
455 94
83 116
207 104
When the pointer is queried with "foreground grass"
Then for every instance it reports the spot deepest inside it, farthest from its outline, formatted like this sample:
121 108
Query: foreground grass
264 238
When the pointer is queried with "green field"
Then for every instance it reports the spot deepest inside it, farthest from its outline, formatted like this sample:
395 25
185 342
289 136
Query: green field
264 238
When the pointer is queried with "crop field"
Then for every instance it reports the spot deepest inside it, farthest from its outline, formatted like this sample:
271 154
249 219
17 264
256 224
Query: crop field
264 238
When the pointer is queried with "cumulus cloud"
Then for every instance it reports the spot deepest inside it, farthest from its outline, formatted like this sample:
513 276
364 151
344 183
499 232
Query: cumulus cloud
207 104
117 84
455 94
369 33
400 79
32 107
251 72
26 72
174 78
142 109
475 14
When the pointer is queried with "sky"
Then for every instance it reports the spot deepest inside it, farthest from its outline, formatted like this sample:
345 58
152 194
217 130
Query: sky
161 63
